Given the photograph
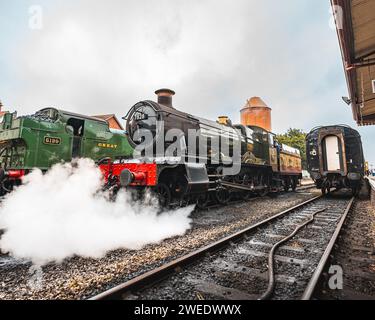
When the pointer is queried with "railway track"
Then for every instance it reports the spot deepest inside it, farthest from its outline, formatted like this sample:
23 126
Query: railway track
238 266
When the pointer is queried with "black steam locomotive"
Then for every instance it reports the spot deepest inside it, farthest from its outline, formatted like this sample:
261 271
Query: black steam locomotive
335 158
185 173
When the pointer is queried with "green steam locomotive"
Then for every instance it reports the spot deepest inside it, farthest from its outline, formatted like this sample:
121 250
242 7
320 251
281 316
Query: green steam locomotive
50 136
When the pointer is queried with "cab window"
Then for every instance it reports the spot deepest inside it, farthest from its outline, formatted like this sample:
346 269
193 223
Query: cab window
271 139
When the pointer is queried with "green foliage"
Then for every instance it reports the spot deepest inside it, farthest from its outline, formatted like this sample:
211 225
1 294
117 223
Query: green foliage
295 138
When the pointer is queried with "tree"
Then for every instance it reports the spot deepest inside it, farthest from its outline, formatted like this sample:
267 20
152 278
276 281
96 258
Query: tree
295 138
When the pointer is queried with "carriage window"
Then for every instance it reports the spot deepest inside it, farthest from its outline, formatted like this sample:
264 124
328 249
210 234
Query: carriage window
265 136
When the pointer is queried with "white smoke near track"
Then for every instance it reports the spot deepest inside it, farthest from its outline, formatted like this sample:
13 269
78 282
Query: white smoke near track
64 213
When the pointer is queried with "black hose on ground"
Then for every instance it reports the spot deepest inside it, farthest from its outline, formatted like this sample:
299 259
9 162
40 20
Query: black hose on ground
271 274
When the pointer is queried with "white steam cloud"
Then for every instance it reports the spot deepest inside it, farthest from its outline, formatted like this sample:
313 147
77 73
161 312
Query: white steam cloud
64 213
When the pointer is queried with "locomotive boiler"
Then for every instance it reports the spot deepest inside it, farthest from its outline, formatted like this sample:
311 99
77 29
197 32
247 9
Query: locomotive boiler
335 158
185 173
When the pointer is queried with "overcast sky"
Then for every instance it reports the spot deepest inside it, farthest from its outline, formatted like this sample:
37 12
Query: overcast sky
97 57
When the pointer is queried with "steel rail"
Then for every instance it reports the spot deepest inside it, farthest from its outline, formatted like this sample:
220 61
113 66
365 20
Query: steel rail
271 271
159 273
324 259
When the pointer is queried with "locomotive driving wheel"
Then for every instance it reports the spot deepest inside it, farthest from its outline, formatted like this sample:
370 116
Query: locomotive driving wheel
246 181
163 194
262 181
222 196
203 200
294 185
245 195
286 186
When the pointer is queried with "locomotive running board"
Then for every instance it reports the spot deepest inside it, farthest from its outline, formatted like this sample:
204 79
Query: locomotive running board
238 186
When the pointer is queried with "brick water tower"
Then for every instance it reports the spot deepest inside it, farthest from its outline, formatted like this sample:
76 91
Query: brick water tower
256 113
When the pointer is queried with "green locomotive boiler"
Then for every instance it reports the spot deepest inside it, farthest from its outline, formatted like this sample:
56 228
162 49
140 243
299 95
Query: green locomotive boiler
50 136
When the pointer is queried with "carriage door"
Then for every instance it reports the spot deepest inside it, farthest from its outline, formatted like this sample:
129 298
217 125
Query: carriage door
76 127
332 154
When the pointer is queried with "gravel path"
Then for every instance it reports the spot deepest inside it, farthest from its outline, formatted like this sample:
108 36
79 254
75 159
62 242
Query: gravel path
80 278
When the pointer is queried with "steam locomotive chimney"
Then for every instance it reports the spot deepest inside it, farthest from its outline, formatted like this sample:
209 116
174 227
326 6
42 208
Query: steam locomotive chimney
165 97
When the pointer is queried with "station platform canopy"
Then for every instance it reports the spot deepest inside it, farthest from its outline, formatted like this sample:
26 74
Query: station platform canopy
355 24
